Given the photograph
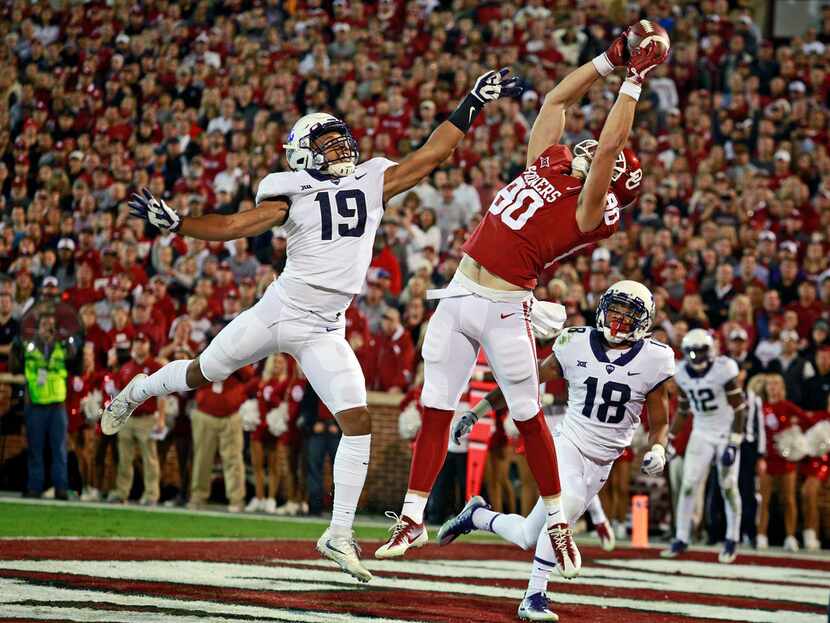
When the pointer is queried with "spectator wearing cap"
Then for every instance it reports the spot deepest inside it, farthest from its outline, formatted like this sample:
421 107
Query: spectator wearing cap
738 348
46 362
217 425
372 305
64 268
230 310
49 289
143 322
138 429
393 355
718 297
795 369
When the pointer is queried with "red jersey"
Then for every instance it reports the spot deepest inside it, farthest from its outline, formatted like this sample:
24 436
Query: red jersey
779 416
534 217
128 371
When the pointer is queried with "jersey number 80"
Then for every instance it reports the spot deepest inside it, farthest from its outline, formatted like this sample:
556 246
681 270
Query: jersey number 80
516 195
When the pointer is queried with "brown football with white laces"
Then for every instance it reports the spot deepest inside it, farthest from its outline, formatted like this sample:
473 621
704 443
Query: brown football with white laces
641 33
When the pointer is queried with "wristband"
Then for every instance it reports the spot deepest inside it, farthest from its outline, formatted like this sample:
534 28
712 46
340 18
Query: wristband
482 408
736 439
631 89
463 116
603 66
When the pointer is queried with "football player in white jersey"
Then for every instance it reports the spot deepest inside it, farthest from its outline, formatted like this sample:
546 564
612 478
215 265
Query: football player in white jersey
709 390
330 207
612 372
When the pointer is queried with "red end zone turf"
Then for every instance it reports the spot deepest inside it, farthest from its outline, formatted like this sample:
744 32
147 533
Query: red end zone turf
117 580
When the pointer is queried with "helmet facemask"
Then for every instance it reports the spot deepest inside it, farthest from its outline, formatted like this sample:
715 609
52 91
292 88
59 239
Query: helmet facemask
343 147
584 152
699 357
622 318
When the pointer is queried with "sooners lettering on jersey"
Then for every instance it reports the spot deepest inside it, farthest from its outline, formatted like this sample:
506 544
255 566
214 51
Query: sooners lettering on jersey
535 217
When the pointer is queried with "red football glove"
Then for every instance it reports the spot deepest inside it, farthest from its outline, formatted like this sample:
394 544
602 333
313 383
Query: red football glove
642 61
617 53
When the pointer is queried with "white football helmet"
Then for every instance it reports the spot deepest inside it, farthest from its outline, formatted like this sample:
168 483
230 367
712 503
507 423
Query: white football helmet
699 348
583 156
634 301
304 152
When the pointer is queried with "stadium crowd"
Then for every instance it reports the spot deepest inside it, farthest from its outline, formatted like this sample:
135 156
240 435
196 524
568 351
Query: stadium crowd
194 99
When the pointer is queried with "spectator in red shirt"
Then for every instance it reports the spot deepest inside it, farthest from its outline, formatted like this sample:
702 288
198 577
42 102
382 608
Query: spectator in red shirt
138 429
142 321
94 333
83 291
808 308
217 425
393 357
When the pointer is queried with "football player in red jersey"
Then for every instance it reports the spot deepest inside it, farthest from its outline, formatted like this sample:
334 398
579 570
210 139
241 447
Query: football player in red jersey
561 202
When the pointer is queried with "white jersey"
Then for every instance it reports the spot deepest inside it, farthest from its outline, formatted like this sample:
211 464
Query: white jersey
331 229
708 403
607 389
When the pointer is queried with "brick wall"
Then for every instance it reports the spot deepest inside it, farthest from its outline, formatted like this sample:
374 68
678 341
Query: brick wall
389 463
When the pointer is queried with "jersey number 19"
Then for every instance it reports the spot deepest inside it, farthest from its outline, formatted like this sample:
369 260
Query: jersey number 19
350 203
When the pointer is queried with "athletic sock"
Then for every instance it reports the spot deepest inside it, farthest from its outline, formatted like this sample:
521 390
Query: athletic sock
169 379
553 508
544 561
413 506
351 463
540 454
430 449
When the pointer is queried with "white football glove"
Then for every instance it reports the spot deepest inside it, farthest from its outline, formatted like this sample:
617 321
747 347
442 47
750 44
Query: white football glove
155 211
547 319
495 84
654 461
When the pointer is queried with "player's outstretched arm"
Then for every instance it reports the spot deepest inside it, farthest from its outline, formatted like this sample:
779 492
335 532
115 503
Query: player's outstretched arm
488 88
550 123
218 227
614 136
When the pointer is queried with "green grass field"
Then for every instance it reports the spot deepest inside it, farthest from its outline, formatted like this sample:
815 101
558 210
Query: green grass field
53 520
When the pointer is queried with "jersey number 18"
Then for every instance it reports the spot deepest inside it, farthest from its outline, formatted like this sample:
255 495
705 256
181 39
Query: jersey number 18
609 400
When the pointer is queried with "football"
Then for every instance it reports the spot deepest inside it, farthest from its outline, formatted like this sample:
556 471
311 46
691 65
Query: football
643 32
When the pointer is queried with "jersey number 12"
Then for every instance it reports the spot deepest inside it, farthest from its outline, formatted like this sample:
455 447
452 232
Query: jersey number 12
350 204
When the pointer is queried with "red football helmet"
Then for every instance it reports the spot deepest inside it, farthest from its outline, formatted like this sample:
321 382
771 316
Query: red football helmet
627 179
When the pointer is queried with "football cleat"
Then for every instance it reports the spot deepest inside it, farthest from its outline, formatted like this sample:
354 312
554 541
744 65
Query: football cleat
461 523
676 548
536 608
606 536
568 559
117 412
727 555
345 551
405 534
